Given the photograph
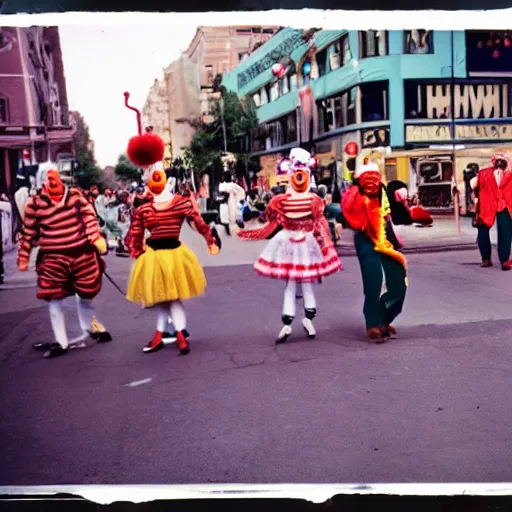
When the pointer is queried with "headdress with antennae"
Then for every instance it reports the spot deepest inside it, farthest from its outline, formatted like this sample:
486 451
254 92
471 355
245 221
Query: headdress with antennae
143 149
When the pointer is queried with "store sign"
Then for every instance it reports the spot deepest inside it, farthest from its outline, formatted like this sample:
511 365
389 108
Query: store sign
484 132
470 101
423 133
376 138
437 133
284 49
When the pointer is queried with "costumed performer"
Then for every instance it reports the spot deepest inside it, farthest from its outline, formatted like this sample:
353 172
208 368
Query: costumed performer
165 271
493 189
302 252
366 208
63 224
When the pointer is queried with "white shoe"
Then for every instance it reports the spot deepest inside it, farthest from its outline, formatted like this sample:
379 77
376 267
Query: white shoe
309 327
283 335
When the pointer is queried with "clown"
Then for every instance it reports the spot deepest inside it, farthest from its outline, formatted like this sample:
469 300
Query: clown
302 252
166 272
493 188
366 208
63 224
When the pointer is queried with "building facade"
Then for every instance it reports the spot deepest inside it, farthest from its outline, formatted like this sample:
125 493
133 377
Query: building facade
34 117
189 82
392 93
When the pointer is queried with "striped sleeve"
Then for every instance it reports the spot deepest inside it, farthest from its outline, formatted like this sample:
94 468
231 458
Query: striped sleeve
30 231
92 227
135 237
193 215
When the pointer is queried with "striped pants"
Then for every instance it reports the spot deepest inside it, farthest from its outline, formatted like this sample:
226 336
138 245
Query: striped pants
65 273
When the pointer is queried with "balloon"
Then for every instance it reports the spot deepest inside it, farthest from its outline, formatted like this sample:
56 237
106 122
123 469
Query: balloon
351 149
278 70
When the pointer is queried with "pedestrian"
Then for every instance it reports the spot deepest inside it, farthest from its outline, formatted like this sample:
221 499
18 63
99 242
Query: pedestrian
62 223
493 188
367 211
166 271
302 252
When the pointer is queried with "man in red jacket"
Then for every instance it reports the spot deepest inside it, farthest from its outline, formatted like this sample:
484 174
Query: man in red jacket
493 187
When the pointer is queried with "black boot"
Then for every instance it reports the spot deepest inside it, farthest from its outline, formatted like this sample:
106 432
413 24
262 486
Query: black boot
307 322
55 350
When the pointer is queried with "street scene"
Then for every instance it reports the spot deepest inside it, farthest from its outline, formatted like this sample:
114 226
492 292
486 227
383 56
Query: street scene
288 262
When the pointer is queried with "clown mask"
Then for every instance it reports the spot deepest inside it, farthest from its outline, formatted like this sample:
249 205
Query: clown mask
371 183
156 182
301 180
53 185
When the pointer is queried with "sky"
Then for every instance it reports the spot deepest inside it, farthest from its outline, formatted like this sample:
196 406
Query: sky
102 62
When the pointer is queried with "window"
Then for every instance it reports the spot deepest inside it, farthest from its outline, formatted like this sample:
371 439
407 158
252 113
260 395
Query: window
268 30
489 51
209 74
373 43
3 111
293 82
326 121
339 53
337 111
390 169
418 42
243 30
374 101
256 98
321 61
256 30
274 91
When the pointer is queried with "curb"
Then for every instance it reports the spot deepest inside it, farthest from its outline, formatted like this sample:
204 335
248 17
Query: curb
424 249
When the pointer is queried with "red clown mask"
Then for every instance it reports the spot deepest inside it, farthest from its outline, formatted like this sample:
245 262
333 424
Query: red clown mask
370 180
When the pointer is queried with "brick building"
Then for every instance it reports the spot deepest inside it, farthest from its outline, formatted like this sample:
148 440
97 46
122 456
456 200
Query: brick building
34 117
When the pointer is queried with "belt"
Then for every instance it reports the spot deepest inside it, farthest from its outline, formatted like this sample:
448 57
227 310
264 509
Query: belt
163 243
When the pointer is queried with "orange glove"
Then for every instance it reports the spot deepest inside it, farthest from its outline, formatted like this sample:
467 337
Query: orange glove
22 265
214 249
101 245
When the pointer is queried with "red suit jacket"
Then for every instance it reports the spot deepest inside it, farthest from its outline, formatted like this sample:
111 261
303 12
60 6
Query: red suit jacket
491 198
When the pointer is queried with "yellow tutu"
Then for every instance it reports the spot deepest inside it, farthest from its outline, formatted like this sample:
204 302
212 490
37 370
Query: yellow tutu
165 275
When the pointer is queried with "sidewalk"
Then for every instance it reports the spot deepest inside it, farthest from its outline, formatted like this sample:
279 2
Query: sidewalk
440 237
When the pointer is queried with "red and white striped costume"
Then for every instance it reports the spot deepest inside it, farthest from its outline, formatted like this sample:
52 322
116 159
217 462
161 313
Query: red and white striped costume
63 224
68 263
302 252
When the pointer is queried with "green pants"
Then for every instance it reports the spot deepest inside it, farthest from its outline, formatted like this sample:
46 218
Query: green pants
380 310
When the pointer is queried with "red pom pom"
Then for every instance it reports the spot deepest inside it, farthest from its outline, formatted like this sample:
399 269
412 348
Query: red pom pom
147 149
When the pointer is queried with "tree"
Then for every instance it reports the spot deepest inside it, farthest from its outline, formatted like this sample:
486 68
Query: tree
239 118
87 172
125 170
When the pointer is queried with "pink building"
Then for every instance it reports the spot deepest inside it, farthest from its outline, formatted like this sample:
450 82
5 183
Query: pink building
34 117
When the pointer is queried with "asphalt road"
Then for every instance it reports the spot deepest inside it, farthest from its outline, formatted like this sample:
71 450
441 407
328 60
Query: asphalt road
431 406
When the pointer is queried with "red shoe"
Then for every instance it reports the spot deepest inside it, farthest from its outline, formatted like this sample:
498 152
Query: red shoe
486 263
182 343
507 265
155 344
375 334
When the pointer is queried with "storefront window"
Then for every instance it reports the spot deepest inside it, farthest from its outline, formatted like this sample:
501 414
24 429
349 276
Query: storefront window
373 43
418 42
275 133
337 111
263 96
374 101
390 169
